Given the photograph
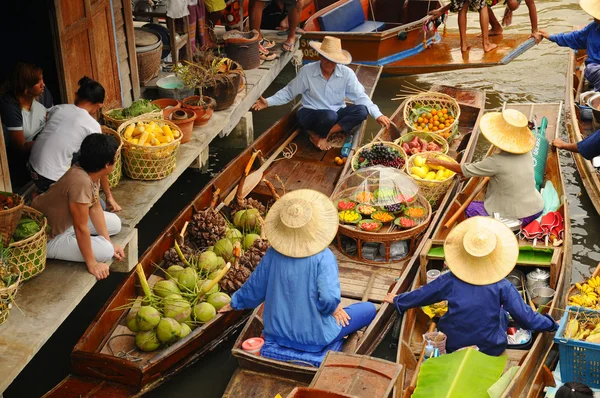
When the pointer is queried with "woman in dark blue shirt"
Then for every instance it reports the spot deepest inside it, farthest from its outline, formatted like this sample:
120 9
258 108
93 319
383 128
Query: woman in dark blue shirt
480 253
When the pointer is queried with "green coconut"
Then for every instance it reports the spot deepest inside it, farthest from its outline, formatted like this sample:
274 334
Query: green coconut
234 235
247 220
187 279
249 240
165 287
208 261
177 308
204 312
220 263
147 318
168 330
213 274
130 320
218 300
203 285
237 218
173 271
224 248
210 249
185 330
147 341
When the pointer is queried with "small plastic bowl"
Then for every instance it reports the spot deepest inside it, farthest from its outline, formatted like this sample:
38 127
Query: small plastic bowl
253 345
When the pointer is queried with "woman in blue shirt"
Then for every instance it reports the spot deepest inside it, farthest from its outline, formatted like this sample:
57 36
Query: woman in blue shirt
297 278
480 253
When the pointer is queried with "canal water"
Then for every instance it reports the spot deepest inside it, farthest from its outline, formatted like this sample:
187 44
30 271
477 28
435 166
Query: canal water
537 76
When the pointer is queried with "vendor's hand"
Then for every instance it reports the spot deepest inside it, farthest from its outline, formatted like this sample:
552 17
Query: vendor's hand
226 308
341 316
539 36
384 121
260 104
99 270
119 252
434 161
389 298
112 205
436 13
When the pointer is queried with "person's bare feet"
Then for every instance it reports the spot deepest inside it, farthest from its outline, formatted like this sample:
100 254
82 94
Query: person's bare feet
489 47
323 144
495 32
318 141
465 48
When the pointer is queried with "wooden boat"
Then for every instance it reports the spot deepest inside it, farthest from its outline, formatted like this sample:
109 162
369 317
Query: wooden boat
558 259
391 34
95 369
261 377
579 129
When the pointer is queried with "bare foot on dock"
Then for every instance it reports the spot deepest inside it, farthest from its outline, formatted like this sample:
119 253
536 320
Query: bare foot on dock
465 48
318 141
489 47
493 32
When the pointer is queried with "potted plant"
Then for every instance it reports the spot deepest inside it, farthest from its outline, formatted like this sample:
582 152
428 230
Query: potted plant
197 76
226 80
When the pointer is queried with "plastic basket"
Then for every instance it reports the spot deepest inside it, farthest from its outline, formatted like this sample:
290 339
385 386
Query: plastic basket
29 255
115 176
432 99
579 360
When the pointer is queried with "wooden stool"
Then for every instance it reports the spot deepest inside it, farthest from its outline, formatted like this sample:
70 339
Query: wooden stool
177 43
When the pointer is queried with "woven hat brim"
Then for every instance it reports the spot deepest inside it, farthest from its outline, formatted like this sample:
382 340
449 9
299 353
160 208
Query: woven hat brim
481 270
344 58
592 7
505 136
310 239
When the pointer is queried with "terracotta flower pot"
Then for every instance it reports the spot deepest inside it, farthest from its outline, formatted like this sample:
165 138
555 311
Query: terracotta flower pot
185 119
166 104
203 112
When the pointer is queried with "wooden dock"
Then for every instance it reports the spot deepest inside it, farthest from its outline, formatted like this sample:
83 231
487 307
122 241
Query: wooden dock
47 300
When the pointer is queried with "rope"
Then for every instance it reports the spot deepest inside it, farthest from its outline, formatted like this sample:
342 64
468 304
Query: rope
288 152
122 354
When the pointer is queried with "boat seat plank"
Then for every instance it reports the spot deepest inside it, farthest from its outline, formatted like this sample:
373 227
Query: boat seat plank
245 385
80 386
41 306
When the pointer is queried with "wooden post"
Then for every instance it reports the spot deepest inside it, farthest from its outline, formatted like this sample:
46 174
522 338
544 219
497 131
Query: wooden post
4 172
201 163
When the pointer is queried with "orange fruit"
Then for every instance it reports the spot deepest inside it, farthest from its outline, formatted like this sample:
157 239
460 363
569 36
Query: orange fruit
435 128
420 120
434 112
428 115
436 123
444 111
436 117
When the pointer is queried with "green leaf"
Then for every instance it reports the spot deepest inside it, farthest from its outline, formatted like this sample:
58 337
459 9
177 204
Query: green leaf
463 374
527 255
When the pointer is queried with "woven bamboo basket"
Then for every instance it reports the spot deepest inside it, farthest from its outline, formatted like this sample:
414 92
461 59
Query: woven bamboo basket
117 173
149 163
429 137
432 99
433 190
114 124
149 64
10 218
29 255
7 296
357 155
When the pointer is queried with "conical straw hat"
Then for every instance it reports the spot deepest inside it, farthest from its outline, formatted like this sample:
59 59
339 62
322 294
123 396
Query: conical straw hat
301 223
481 251
592 7
508 131
331 48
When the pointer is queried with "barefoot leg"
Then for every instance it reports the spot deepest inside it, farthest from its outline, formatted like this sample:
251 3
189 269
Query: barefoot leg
484 22
462 26
496 27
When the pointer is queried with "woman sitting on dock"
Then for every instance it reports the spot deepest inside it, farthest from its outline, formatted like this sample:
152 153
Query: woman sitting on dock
511 191
480 253
297 278
81 231
324 86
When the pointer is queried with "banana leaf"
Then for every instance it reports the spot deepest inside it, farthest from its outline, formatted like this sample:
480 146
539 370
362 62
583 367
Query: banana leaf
527 255
463 374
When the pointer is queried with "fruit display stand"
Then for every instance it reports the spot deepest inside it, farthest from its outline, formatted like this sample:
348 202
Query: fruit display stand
392 192
432 188
115 176
429 105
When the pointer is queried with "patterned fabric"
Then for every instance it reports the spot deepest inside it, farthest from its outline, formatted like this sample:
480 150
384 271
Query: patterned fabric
492 3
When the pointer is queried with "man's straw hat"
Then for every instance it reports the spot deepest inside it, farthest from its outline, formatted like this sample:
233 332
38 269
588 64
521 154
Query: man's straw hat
301 223
481 251
508 131
592 7
331 48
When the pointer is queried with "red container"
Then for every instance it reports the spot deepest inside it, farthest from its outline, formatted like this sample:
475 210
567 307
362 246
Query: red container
166 104
186 125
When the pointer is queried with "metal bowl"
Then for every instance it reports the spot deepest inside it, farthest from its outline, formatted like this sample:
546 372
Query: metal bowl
542 295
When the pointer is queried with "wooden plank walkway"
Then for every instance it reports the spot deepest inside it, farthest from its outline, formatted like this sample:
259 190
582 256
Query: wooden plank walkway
137 197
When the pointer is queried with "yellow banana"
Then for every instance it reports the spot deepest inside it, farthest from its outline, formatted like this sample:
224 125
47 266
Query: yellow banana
572 328
578 286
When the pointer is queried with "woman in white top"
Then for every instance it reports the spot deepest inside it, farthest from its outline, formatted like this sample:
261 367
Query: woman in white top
67 127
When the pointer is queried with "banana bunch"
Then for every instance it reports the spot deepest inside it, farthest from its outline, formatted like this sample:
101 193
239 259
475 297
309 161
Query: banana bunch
589 293
152 133
587 332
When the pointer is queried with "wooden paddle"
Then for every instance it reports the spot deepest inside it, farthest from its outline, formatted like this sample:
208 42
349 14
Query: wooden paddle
256 177
467 202
236 191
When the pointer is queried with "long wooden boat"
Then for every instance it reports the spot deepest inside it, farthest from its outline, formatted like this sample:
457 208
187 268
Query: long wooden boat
99 373
579 129
392 34
262 377
558 260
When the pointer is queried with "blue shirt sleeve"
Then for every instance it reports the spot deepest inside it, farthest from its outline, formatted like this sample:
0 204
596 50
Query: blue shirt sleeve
253 292
355 92
431 293
328 284
576 40
523 314
289 92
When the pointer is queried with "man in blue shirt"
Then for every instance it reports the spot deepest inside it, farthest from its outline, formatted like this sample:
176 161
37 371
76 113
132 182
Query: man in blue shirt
324 86
587 38
480 253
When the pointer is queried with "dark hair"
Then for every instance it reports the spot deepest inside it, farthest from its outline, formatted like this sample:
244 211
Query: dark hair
574 390
22 77
90 90
97 150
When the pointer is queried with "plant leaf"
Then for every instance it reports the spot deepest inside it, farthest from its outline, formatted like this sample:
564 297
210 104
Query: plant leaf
463 374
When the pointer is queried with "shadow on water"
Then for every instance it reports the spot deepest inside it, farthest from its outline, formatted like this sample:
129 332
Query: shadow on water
536 76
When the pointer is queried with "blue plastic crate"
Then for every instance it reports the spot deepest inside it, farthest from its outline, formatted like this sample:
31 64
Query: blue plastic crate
579 360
